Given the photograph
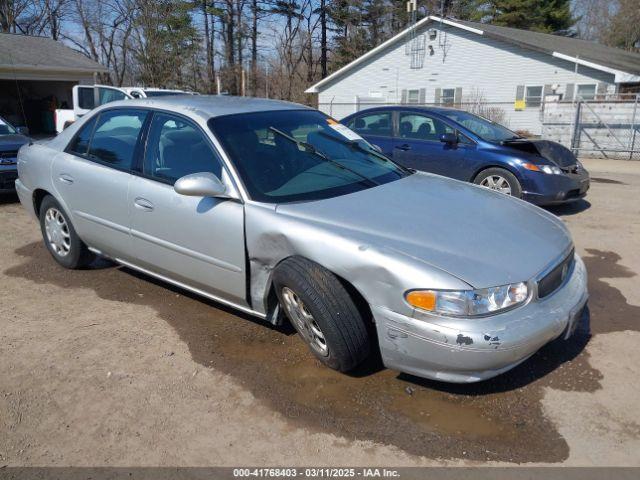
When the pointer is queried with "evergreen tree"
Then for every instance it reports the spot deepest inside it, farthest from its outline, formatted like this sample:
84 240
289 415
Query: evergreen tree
546 16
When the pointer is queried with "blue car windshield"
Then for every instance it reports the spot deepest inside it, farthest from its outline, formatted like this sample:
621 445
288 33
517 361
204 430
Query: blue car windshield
6 128
485 129
300 155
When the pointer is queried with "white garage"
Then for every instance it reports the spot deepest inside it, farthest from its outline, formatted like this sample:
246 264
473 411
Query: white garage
36 77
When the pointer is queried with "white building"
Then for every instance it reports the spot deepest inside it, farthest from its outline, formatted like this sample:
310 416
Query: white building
458 63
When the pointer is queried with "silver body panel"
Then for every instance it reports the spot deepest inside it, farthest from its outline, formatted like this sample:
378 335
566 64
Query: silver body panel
423 231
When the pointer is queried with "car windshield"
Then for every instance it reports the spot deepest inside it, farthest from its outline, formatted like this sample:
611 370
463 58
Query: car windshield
6 128
299 155
485 129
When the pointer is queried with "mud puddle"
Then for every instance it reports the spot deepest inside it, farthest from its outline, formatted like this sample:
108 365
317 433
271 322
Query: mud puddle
500 419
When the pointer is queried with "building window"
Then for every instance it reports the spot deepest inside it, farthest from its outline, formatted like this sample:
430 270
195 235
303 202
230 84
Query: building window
586 92
448 96
533 96
413 96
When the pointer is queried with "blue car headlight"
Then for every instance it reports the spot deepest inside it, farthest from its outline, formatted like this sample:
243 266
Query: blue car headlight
548 169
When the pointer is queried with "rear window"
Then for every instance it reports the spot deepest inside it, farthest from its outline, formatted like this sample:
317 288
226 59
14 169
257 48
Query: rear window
115 137
80 144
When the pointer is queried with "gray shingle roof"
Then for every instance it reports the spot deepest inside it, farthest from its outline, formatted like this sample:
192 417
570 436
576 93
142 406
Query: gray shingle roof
42 53
590 51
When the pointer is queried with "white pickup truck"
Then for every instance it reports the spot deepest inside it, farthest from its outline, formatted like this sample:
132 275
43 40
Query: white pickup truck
87 97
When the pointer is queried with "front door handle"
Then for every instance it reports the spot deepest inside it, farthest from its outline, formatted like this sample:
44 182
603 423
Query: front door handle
404 147
66 178
143 204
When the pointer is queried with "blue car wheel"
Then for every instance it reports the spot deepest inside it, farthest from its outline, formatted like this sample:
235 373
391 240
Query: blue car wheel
500 180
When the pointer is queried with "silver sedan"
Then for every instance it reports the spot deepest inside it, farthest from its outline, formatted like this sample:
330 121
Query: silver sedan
279 211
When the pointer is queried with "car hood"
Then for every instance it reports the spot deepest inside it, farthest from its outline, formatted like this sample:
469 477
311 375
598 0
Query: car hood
557 154
481 237
12 142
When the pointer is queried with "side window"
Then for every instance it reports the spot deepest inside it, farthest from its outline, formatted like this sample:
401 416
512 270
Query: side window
533 96
106 95
80 143
372 124
115 137
422 127
176 148
85 98
448 96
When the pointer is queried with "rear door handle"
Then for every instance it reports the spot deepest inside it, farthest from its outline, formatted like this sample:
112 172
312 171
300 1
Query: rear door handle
404 147
143 204
66 178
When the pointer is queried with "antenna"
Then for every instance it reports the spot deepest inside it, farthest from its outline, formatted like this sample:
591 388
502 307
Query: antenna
442 38
415 45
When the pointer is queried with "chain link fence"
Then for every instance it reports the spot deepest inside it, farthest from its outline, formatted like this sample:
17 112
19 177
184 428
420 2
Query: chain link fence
606 126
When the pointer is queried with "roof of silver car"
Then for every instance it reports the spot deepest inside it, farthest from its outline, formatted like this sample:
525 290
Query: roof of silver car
213 105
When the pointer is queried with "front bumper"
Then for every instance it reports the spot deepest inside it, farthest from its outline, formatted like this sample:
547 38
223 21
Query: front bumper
470 350
556 189
8 176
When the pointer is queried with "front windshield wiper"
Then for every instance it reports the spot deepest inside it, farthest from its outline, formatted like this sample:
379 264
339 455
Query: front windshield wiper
358 144
307 147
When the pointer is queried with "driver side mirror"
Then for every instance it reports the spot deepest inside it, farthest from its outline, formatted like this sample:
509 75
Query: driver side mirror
203 184
22 130
450 138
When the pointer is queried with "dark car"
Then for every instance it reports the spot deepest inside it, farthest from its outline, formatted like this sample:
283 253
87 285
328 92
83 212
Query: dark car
467 147
11 139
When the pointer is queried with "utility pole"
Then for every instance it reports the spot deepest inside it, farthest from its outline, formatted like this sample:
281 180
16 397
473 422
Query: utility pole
267 80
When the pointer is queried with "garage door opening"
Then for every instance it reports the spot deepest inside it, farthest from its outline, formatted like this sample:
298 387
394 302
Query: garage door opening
32 103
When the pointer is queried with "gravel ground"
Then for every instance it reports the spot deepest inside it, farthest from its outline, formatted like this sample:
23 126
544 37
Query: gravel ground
108 367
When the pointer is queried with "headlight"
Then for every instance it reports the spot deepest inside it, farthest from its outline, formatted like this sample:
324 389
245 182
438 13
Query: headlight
469 303
551 170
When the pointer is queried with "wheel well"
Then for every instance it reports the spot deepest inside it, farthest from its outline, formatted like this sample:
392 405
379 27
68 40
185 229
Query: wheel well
38 196
487 167
354 293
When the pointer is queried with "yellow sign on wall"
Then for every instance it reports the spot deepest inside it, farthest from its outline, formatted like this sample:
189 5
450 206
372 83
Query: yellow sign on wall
520 104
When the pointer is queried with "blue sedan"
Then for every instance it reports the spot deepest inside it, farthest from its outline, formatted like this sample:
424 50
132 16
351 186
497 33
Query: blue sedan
467 147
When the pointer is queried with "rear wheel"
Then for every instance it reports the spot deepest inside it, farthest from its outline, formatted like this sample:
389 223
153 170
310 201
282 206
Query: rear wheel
500 180
60 237
322 311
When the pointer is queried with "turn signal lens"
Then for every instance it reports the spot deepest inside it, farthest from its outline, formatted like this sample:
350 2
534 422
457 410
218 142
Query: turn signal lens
424 299
531 166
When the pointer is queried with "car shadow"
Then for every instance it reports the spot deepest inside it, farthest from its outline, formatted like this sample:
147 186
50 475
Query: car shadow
6 198
572 208
285 328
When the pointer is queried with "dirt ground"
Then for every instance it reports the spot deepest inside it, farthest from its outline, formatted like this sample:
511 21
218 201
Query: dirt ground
108 367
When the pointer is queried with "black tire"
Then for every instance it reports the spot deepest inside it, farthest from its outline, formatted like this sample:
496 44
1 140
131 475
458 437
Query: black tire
514 184
78 255
332 309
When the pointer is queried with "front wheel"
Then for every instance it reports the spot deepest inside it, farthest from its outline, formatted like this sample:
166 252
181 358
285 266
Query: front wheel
323 313
500 180
60 237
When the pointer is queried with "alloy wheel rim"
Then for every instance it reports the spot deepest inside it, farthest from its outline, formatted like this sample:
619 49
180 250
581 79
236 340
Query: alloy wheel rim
57 230
304 322
497 183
